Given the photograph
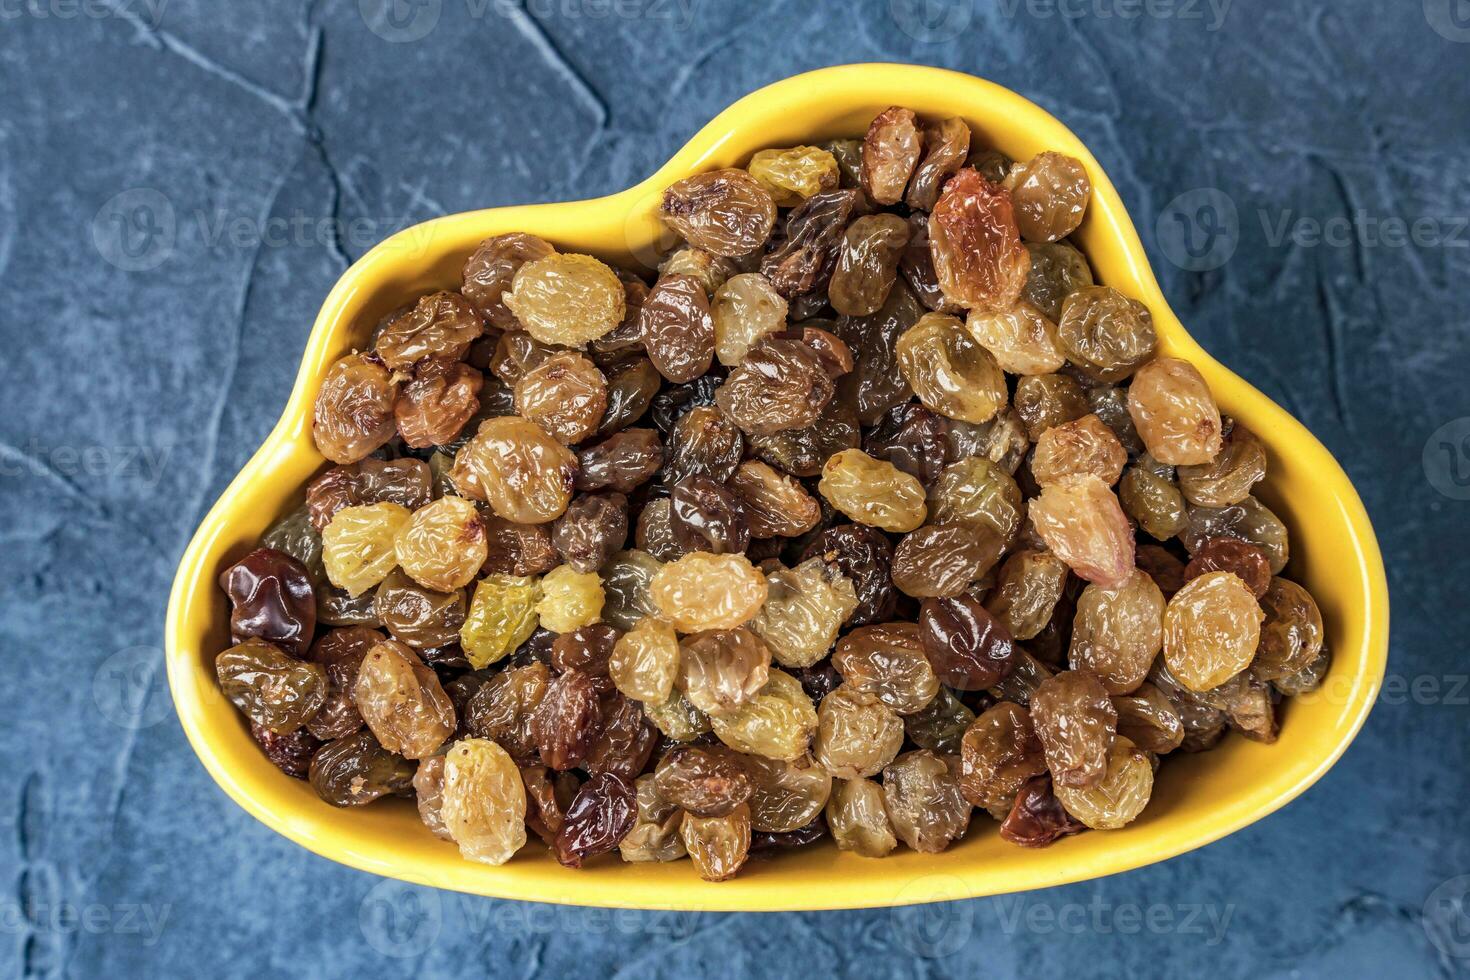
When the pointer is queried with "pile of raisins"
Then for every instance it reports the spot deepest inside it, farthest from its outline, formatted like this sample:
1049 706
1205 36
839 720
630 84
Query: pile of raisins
873 509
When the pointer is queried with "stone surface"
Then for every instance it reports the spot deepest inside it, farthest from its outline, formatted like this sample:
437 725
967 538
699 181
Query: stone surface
169 172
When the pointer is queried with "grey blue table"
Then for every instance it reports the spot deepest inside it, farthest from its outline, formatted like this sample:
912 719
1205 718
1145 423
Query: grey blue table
270 144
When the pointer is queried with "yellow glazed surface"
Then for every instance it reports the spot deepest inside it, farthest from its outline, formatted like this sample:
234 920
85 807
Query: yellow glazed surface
1197 799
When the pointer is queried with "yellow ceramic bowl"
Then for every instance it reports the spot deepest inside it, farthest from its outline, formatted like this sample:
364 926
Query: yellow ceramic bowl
1198 798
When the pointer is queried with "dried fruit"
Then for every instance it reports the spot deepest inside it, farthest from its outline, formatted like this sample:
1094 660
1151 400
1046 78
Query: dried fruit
708 592
1106 334
946 145
951 373
746 308
781 384
442 545
677 328
355 770
353 414
705 516
704 783
655 833
420 617
1023 340
440 325
804 609
626 582
1249 520
645 661
925 805
483 803
787 795
794 174
1291 633
872 492
503 709
999 753
1117 633
803 251
1211 628
912 438
502 616
722 669
569 599
857 735
703 441
1038 819
943 559
272 689
725 212
863 555
566 299
888 662
867 265
272 599
594 527
717 846
978 257
891 151
1049 193
291 753
402 702
977 491
1151 498
565 395
1057 271
967 647
1230 476
568 720
1245 560
1078 448
1076 723
774 504
1119 795
1148 718
777 723
1175 412
522 471
491 268
858 817
621 462
1027 589
1045 400
1081 522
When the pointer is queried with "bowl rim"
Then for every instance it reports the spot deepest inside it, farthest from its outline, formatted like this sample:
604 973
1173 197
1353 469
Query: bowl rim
627 890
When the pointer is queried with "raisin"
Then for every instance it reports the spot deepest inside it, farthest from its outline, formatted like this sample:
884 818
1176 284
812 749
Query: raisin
951 373
626 581
565 394
925 805
722 669
891 151
1050 193
291 753
491 268
1148 718
703 783
566 299
502 615
1026 592
717 846
867 264
1038 818
353 414
912 438
705 516
725 212
272 689
977 252
1082 523
967 647
1023 340
402 702
872 491
917 267
946 145
627 739
794 174
355 770
1161 565
504 710
1175 412
1117 633
998 754
1291 633
442 545
805 608
621 462
1246 561
1229 477
1151 498
419 617
1076 724
977 491
888 662
1119 794
781 384
483 803
655 833
1106 334
548 795
517 549
271 598
774 504
1249 520
677 719
340 653
428 788
655 531
941 726
711 270
1057 271
877 382
594 527
703 441
524 473
1211 628
587 649
803 252
858 818
631 386
677 327
863 555
708 592
569 599
1045 400
777 723
943 559
441 325
1081 447
857 735
645 661
801 452
745 309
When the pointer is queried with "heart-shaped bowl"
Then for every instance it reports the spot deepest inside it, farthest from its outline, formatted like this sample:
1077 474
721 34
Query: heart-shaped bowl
1197 798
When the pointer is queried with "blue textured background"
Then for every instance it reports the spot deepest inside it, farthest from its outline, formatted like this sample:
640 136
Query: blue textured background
142 363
